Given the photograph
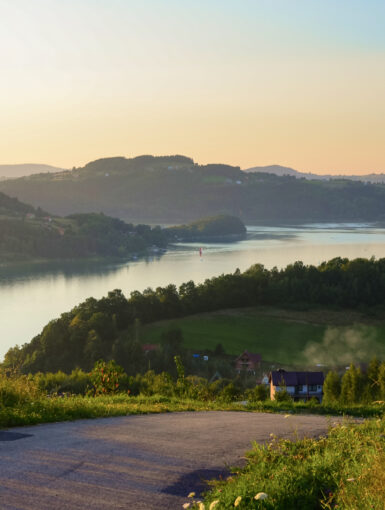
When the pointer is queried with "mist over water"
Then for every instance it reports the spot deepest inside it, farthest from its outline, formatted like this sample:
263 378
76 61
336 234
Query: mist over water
33 294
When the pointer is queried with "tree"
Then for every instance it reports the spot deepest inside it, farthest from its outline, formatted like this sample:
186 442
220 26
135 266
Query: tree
332 388
219 350
352 386
381 380
373 383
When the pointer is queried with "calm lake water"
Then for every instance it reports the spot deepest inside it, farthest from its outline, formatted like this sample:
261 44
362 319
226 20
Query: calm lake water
31 295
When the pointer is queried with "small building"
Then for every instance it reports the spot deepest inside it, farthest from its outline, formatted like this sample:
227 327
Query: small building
146 348
249 362
299 385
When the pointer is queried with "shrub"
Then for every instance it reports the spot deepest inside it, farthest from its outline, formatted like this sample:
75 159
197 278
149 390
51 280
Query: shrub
55 383
283 396
16 389
229 393
198 388
257 394
151 384
105 377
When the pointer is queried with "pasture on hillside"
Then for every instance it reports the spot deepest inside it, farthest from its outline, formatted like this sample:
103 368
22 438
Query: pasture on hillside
291 337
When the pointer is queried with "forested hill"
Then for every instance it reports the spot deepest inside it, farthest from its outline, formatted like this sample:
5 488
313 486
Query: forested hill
27 233
174 189
105 328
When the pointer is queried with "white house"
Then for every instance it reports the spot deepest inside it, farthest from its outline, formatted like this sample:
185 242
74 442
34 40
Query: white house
299 385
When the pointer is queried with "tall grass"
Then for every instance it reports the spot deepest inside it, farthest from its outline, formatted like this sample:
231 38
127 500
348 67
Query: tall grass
17 390
24 400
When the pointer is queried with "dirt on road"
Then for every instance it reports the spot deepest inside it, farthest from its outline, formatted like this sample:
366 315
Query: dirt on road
142 462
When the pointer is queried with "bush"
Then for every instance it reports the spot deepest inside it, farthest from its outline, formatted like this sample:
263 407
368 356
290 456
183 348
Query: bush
283 396
56 383
229 393
257 394
16 390
105 377
151 384
198 388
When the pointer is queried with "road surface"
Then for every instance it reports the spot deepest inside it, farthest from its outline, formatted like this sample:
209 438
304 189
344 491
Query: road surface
142 462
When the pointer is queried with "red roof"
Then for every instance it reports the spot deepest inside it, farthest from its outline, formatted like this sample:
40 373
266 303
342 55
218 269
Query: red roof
255 358
150 347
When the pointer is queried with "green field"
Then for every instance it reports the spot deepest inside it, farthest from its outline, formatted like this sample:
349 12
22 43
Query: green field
282 336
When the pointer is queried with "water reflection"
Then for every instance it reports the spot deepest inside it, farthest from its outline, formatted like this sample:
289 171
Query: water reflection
67 268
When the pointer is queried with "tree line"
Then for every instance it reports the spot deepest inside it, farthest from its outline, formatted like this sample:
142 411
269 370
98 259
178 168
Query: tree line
356 386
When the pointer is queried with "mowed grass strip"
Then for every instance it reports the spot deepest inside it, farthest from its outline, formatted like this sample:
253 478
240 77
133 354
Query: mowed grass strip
280 336
46 410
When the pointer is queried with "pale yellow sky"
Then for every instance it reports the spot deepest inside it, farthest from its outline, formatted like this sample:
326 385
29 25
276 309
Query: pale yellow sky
256 84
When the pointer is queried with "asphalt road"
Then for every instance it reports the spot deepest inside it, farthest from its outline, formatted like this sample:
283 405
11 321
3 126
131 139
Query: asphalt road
141 462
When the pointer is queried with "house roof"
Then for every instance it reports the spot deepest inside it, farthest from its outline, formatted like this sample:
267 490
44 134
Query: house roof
150 347
296 378
255 358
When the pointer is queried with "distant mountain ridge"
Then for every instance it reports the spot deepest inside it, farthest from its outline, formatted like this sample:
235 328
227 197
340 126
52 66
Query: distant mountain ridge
25 169
284 170
175 189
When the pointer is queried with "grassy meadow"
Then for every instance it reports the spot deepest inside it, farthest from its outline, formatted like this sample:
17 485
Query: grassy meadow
279 335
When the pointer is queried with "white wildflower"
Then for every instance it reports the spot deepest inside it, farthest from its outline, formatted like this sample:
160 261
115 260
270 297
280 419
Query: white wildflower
261 495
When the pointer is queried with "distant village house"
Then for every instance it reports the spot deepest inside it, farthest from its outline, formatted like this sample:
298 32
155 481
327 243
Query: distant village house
146 348
249 362
299 385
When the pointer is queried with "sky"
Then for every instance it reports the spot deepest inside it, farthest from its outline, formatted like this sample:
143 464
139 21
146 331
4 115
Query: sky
299 83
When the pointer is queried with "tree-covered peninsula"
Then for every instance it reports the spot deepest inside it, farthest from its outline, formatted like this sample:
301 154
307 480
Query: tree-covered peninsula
27 233
213 229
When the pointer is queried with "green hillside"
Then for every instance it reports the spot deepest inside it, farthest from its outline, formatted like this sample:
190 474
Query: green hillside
258 309
174 189
285 337
13 208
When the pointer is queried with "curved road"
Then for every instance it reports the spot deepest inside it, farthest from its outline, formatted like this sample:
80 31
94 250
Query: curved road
142 462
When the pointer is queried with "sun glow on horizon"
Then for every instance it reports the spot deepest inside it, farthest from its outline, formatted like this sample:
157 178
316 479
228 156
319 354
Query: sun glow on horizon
247 84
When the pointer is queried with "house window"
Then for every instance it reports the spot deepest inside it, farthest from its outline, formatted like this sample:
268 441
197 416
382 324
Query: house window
300 387
313 387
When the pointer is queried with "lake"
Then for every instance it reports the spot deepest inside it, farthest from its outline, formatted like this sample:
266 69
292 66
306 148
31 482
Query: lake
33 294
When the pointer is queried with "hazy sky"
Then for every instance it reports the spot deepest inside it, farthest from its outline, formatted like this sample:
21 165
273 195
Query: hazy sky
245 82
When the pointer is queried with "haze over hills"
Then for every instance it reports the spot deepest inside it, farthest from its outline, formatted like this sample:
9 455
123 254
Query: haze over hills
14 171
175 189
283 170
